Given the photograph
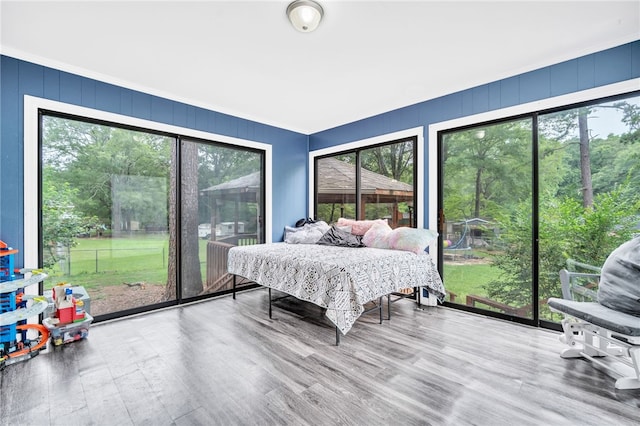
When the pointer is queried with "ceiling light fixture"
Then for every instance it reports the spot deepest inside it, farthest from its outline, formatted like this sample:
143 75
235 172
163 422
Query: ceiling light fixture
305 15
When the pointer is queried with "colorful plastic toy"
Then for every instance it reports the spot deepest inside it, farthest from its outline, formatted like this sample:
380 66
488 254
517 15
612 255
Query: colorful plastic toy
15 308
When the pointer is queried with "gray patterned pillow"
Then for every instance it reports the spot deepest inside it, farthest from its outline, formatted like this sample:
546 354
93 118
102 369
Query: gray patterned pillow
337 237
619 287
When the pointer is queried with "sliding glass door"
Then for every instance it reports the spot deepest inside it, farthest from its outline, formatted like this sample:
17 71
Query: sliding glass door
523 198
143 219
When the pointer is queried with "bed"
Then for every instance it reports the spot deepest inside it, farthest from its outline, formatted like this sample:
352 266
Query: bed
340 279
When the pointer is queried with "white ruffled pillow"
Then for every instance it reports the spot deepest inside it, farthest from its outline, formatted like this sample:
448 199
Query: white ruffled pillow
310 233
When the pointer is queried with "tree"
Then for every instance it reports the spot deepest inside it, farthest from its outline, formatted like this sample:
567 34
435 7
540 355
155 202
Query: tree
61 223
120 175
392 160
487 170
585 158
191 277
567 230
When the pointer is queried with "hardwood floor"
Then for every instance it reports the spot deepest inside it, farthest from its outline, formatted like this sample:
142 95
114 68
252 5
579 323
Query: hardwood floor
224 362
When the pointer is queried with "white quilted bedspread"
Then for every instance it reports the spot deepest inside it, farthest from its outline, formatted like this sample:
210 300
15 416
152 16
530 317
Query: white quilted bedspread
340 279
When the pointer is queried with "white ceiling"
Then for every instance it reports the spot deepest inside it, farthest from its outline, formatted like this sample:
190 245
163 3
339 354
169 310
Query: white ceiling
367 57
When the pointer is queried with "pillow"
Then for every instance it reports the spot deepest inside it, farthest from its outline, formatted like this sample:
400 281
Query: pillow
619 287
414 240
377 236
359 227
337 237
309 233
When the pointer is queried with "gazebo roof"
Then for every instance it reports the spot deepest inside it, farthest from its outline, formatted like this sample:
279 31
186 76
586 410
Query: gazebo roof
336 180
245 188
245 183
336 183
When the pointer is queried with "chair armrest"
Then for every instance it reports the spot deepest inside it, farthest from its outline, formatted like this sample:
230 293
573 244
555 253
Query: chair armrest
571 286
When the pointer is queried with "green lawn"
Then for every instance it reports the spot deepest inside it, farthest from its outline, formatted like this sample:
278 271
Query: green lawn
468 279
97 262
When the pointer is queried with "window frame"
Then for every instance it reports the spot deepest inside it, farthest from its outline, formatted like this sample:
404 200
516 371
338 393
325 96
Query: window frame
417 133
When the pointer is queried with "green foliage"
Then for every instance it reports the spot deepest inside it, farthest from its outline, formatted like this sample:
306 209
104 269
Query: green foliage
487 169
60 222
567 230
109 166
393 160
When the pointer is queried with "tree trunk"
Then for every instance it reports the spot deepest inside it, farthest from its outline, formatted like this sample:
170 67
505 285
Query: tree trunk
170 289
191 275
585 159
476 209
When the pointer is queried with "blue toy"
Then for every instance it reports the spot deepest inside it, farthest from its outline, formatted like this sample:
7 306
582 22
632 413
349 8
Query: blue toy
15 309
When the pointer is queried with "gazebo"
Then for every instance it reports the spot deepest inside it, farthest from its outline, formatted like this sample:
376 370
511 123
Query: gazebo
336 183
245 189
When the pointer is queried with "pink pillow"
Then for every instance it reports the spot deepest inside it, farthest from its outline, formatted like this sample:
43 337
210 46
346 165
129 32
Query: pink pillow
377 236
359 227
414 240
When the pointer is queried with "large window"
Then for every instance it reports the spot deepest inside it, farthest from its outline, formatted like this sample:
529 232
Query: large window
524 198
373 182
122 217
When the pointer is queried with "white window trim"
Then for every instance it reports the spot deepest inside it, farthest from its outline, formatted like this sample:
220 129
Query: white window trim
31 107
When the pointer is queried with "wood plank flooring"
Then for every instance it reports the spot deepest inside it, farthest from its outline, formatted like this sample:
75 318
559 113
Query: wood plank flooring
224 362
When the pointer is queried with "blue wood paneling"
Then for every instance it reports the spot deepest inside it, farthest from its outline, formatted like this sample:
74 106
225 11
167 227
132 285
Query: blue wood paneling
107 97
141 105
451 105
227 124
480 99
494 95
586 72
509 92
126 102
70 89
31 79
563 78
51 84
9 153
534 85
635 59
161 110
612 65
467 102
179 114
88 93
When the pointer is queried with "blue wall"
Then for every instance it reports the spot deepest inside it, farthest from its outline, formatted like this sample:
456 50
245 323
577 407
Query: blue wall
19 78
587 72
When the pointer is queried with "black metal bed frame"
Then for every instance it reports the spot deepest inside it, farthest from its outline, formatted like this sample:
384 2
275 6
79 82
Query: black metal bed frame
377 305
